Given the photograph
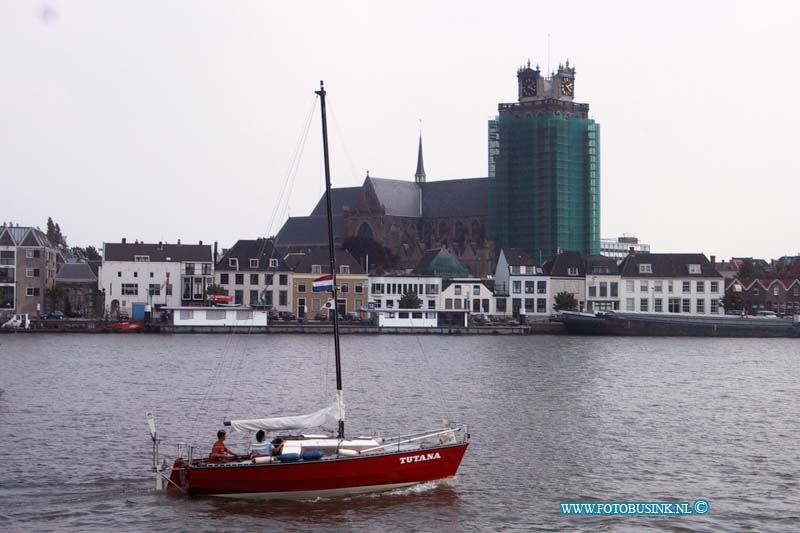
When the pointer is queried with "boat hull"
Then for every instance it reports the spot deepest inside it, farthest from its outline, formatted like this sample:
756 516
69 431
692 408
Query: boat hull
325 478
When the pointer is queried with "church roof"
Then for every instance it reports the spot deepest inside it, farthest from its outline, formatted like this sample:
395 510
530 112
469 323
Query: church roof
440 262
398 197
76 273
340 199
309 231
456 198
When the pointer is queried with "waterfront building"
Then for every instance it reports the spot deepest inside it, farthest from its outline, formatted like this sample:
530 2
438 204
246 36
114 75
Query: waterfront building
82 298
620 247
602 283
567 272
254 274
781 296
521 286
28 268
671 283
470 294
309 263
409 217
136 275
201 317
385 291
544 169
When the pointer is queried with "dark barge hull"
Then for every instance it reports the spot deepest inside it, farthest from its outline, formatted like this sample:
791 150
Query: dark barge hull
631 324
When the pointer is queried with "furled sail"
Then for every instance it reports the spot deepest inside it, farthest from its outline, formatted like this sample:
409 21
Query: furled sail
327 417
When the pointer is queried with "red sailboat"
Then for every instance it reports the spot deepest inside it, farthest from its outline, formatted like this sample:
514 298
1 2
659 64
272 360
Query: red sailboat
306 466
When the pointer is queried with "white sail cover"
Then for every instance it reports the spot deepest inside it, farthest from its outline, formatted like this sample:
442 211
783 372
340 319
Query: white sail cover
327 417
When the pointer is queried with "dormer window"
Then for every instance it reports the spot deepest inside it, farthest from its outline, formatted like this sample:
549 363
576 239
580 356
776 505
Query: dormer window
694 269
572 271
645 268
344 269
515 269
254 263
316 269
273 263
141 258
233 262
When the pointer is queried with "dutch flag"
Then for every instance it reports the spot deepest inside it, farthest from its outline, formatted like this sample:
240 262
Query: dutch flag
323 284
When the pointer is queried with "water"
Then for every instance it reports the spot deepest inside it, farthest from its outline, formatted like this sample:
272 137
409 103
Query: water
553 418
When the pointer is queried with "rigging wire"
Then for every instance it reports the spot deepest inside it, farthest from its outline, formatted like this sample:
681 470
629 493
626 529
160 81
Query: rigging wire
340 136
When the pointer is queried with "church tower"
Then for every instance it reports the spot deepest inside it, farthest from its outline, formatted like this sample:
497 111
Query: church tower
419 176
544 168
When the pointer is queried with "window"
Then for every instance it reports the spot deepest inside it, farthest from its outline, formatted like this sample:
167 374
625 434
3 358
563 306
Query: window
244 315
572 271
457 303
186 314
169 290
130 289
141 258
541 305
32 291
431 304
223 279
315 304
529 305
253 279
29 272
389 304
630 304
603 289
517 287
645 268
151 275
345 287
119 274
630 286
239 279
658 305
643 305
154 289
714 306
755 291
644 285
476 290
501 305
253 263
238 297
359 287
687 286
485 305
530 287
687 306
457 290
592 291
316 269
267 296
701 286
253 297
796 292
273 263
541 287
377 288
283 279
775 290
694 269
135 274
669 286
674 305
301 287
448 303
658 286
233 263
283 298
344 269
701 305
215 315
402 314
416 315
614 289
515 269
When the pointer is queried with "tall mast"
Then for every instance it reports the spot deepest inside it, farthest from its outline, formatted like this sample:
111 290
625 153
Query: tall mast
331 251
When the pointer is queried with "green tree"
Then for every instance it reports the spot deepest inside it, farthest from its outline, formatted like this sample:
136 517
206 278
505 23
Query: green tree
565 301
215 289
55 296
410 300
733 300
749 270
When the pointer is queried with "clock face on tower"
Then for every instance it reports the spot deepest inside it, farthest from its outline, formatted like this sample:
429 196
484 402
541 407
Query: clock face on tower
528 87
567 87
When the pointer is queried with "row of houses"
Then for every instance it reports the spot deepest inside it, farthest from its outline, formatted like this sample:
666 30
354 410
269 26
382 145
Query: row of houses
134 277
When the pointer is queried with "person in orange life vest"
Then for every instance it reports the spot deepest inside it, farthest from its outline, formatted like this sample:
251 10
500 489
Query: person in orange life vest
219 452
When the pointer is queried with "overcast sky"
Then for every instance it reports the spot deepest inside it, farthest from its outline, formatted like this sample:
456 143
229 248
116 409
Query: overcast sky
166 120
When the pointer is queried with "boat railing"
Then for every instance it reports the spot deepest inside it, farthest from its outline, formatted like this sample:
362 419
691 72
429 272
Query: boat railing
414 437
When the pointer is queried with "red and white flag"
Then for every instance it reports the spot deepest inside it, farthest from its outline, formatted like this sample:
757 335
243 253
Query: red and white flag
323 284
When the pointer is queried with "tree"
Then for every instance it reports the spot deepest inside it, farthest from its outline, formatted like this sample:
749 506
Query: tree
55 296
410 300
215 290
748 270
733 300
54 234
92 254
565 301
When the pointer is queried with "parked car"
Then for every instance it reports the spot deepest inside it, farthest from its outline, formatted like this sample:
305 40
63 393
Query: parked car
766 314
53 315
286 316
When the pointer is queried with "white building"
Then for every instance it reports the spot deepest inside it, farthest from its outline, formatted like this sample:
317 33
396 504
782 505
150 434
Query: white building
602 284
218 316
470 294
521 286
158 275
670 283
385 291
620 247
567 273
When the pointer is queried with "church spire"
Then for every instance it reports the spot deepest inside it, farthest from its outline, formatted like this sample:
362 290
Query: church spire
419 177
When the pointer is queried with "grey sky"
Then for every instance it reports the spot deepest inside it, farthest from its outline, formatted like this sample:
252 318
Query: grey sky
166 120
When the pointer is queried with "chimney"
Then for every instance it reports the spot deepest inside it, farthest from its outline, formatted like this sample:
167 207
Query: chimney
201 243
713 260
631 250
124 240
160 245
179 242
215 251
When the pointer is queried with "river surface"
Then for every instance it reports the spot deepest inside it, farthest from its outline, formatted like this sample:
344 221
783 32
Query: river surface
552 418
